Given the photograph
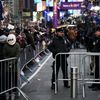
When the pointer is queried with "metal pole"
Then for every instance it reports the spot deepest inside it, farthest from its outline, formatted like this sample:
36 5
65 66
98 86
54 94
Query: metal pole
74 84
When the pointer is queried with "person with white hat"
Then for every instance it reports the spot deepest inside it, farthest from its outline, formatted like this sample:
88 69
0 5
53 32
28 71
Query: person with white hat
11 49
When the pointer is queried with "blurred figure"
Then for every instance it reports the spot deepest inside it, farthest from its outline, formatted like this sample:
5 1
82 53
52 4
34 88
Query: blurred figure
3 39
96 48
29 38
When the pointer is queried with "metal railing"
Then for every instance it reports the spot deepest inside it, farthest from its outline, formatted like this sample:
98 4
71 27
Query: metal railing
77 70
28 53
33 66
9 79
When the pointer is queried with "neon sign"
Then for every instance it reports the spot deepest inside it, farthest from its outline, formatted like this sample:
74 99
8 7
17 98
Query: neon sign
71 5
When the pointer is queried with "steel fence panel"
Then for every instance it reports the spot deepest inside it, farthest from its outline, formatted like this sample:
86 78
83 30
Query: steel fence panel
82 60
9 78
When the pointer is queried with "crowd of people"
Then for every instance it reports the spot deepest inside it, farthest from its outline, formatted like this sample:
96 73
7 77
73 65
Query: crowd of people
60 40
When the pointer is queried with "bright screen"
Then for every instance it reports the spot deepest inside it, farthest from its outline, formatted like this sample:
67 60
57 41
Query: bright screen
75 0
75 11
49 3
62 0
62 14
37 1
34 16
41 6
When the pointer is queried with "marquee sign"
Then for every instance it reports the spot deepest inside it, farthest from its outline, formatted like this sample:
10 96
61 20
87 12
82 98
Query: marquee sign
71 5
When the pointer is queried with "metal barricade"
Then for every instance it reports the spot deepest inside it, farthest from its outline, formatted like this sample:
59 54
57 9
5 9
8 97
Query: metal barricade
77 70
9 79
28 53
33 66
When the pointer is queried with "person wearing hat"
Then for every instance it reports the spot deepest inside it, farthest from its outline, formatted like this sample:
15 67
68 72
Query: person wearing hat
11 49
60 44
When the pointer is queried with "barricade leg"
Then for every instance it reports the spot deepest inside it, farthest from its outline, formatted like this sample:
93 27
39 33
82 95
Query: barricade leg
83 90
23 94
74 84
56 80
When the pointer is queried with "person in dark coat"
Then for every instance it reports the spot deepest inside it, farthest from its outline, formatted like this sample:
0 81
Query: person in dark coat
11 49
96 48
29 38
60 44
3 38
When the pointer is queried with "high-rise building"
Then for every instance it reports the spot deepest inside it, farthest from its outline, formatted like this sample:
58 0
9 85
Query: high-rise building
13 6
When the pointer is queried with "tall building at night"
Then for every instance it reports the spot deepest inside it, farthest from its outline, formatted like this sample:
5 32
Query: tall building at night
13 6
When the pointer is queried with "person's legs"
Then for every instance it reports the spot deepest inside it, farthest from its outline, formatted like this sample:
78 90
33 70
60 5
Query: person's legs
96 86
53 72
64 67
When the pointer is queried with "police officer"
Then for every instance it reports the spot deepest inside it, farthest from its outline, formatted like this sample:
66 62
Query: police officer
60 44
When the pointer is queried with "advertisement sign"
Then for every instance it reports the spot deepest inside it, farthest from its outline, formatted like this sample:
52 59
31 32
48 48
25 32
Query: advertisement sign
41 6
37 1
26 13
71 5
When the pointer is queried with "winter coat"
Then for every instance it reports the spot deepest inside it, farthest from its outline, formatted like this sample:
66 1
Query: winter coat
59 45
11 50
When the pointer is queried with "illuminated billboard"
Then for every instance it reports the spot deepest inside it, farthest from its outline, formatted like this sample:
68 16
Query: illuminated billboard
75 0
37 1
41 6
78 11
49 3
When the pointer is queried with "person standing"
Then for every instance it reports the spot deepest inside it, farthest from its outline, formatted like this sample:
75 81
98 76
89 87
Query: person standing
3 38
60 44
96 48
11 49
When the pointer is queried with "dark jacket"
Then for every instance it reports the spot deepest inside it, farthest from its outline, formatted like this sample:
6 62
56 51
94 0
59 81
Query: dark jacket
30 39
11 50
59 45
96 44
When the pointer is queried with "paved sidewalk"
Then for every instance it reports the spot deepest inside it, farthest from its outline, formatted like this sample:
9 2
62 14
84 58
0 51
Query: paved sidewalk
39 88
